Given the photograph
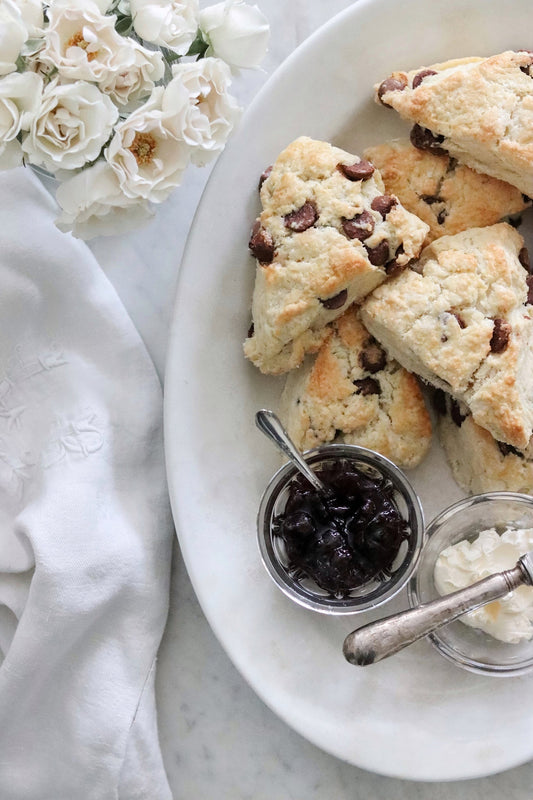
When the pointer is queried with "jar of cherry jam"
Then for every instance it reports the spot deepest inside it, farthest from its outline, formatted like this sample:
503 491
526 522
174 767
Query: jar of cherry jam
347 551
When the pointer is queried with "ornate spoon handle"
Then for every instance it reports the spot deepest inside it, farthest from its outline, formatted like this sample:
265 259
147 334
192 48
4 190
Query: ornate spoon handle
269 424
381 639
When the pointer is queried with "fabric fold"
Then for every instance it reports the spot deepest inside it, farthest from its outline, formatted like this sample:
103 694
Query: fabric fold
85 533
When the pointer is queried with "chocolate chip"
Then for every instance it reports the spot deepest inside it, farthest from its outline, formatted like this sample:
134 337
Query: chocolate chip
366 386
380 254
455 413
424 139
359 171
527 67
337 301
439 402
251 330
359 227
431 198
383 203
500 336
419 77
441 216
391 85
523 257
261 243
529 281
264 176
302 218
372 358
460 320
392 267
506 449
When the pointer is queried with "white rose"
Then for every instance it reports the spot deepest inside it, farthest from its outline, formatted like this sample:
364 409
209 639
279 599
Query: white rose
19 100
93 204
13 34
103 5
72 125
236 32
145 155
32 16
82 43
134 81
198 107
171 23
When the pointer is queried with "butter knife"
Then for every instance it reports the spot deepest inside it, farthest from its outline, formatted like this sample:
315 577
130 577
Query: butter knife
387 636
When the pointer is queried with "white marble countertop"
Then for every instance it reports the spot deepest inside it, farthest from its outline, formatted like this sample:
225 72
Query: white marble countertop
218 739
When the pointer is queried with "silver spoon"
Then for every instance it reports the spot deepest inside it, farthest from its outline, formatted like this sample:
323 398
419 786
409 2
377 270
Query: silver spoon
269 424
387 636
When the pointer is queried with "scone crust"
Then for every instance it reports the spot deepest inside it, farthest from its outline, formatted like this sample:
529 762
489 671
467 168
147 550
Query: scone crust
440 320
483 107
317 264
448 196
325 400
478 462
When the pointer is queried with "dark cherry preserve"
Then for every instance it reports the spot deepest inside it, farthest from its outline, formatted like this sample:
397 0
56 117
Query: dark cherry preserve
345 539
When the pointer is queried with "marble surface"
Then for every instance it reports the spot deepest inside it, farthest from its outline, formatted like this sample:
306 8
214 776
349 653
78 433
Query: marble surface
218 739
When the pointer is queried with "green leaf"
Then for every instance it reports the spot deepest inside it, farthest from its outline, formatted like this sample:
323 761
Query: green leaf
198 47
124 25
51 74
31 47
170 55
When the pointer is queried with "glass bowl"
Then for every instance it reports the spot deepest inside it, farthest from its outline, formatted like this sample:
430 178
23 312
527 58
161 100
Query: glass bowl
305 591
469 647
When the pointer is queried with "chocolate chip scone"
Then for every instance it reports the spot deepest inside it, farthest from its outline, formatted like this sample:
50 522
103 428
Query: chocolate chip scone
479 110
448 196
463 322
352 392
327 236
478 462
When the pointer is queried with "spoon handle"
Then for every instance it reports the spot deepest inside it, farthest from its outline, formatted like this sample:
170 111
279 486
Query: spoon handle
381 639
269 424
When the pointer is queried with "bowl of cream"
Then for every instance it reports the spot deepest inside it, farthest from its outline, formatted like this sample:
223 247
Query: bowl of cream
466 542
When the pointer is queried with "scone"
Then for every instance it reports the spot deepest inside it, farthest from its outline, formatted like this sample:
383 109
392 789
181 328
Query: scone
327 236
479 110
463 322
352 392
450 197
478 462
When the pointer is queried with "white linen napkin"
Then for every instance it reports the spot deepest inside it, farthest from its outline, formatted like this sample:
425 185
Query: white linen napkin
85 529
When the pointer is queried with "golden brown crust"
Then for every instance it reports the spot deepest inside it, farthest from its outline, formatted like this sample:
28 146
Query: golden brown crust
448 196
309 268
482 109
352 393
443 321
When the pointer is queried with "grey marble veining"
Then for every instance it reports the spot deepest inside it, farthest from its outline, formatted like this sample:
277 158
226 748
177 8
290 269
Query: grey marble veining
219 741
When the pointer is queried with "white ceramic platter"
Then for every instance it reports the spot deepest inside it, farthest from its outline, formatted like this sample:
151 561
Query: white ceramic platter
415 716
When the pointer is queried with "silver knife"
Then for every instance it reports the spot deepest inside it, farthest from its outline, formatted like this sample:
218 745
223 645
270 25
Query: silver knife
387 636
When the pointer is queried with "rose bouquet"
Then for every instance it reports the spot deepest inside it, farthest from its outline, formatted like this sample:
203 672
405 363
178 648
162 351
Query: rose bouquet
116 98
